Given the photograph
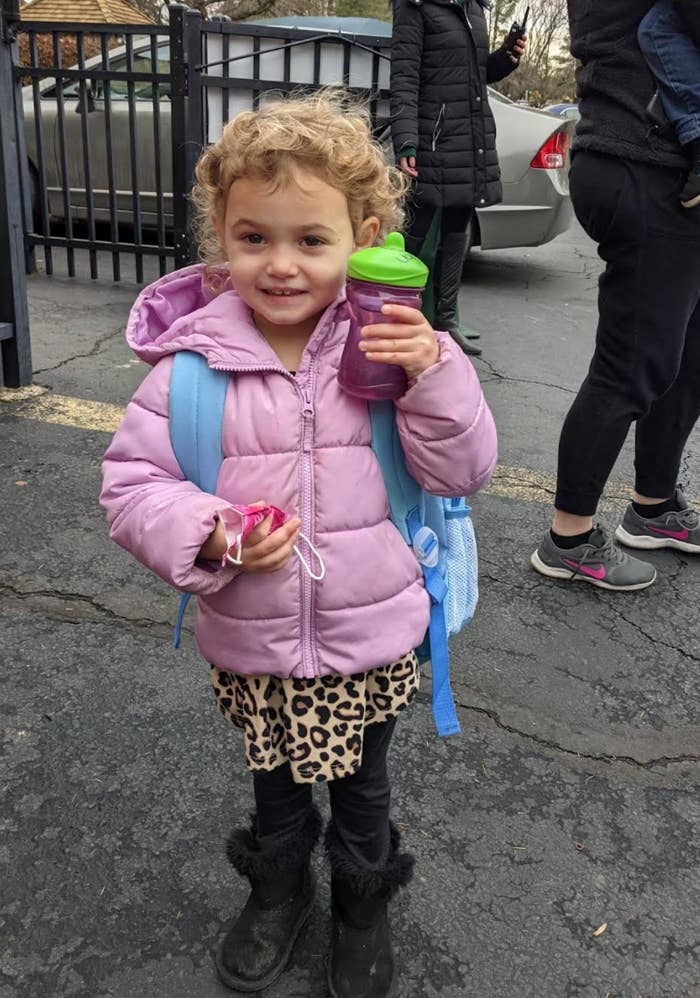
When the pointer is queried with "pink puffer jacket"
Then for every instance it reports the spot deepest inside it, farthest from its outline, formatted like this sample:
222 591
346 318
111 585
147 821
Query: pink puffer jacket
305 446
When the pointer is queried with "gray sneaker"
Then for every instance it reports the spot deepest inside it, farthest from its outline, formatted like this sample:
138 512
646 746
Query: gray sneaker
599 561
679 529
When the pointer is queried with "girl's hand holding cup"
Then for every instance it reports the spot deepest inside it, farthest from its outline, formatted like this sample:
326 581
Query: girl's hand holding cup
407 339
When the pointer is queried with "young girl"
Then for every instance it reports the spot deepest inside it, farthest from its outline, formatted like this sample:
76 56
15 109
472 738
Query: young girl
311 657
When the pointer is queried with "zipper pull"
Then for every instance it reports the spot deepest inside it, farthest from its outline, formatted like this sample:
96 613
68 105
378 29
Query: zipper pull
307 413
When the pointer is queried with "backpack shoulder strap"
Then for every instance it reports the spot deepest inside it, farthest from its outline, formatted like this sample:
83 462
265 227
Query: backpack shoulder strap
196 414
411 510
196 411
403 491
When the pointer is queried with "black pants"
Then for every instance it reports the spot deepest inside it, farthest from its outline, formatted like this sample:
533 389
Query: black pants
453 220
646 365
359 803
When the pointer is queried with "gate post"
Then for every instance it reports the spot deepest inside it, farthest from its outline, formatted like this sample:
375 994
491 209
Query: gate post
14 313
187 121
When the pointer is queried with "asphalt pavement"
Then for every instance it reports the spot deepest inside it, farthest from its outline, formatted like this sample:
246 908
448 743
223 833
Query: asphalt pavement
557 844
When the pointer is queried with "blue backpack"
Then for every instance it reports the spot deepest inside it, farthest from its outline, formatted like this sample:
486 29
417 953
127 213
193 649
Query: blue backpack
439 530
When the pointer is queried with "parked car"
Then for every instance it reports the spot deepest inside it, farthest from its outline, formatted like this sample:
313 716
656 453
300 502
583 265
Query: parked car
533 147
564 110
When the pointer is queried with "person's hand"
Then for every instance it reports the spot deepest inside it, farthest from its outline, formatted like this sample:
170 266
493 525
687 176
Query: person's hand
262 551
518 51
268 552
214 547
408 165
409 341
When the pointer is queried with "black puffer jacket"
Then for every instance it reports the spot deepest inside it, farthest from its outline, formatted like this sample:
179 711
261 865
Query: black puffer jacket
440 65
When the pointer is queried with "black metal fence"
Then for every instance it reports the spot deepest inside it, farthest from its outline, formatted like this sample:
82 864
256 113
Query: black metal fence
94 156
102 126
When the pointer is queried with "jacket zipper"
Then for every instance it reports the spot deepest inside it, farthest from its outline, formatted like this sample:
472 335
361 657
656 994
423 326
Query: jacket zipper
306 515
472 39
438 126
306 512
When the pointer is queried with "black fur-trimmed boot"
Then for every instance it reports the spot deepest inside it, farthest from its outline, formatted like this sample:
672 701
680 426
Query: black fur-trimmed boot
447 279
362 962
257 947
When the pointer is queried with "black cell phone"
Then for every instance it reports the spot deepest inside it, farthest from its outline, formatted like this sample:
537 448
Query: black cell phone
518 30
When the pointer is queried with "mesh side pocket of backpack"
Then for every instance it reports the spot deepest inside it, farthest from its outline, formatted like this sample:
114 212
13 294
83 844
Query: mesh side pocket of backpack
461 572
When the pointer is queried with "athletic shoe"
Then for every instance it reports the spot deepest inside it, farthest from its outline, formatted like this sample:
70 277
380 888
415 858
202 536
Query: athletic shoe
690 195
599 561
678 529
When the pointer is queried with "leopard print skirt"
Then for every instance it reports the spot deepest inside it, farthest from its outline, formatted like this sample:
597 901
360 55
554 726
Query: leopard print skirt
316 725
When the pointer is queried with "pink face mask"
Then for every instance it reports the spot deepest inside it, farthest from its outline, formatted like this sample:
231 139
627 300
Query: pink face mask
239 521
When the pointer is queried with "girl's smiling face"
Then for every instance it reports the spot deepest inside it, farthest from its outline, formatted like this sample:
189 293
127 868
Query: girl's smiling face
287 247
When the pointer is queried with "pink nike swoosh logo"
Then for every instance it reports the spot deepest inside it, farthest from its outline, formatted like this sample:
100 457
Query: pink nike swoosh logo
595 573
678 535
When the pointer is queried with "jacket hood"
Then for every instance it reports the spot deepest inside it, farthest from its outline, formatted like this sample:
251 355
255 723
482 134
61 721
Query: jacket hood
179 312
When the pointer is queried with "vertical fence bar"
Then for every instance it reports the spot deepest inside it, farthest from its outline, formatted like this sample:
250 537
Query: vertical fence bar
23 165
133 145
86 107
347 52
317 64
41 192
375 88
226 73
14 313
109 151
160 218
63 160
187 121
256 72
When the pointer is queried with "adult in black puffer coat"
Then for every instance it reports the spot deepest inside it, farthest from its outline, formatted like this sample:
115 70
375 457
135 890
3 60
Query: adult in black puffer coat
443 130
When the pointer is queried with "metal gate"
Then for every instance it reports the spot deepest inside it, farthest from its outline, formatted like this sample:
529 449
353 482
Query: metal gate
102 126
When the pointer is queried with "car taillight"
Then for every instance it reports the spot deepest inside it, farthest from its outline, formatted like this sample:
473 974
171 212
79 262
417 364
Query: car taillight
552 155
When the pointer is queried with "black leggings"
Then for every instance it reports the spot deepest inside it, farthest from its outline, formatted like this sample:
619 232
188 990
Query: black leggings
646 365
453 220
359 803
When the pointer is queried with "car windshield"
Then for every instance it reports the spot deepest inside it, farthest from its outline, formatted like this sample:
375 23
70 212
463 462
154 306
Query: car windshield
119 89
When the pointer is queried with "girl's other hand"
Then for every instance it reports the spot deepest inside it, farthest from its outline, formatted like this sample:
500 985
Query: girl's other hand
408 165
409 341
214 548
268 552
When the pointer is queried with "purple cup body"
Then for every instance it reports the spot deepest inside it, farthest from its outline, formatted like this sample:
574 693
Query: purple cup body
358 376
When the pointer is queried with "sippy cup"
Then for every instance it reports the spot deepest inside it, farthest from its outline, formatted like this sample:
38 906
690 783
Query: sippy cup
378 276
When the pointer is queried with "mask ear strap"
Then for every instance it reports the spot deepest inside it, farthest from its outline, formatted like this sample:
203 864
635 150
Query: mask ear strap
238 560
307 566
237 538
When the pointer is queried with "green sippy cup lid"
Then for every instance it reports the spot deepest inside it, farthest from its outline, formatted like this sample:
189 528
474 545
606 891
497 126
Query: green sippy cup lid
388 264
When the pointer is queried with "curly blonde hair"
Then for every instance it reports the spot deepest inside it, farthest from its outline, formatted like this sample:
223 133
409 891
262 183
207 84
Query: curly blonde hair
327 133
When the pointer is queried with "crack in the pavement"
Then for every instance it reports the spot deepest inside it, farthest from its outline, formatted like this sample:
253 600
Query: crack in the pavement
111 615
591 266
100 608
80 356
653 638
592 757
498 376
